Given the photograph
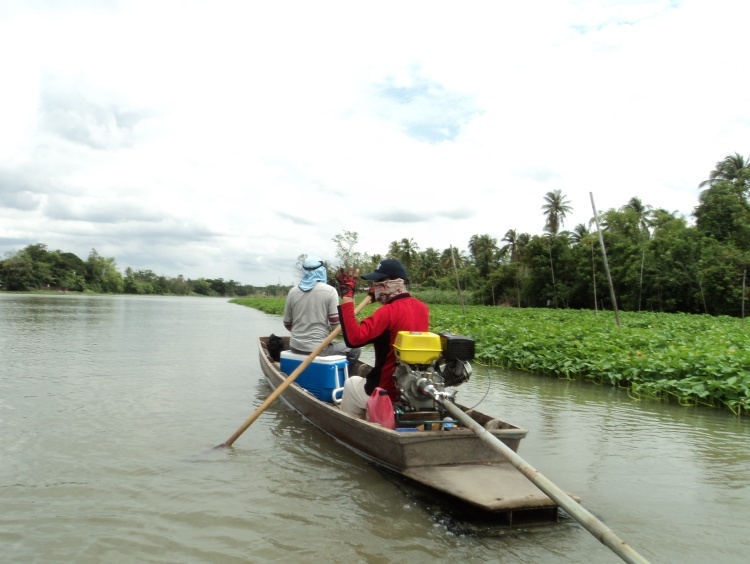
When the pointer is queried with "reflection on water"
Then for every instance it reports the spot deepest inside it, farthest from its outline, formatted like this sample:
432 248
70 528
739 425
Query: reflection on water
110 407
666 473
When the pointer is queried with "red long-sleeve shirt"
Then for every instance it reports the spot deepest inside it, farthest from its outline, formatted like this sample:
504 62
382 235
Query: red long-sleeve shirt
402 313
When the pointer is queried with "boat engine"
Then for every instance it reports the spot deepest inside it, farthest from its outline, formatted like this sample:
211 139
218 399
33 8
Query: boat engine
428 363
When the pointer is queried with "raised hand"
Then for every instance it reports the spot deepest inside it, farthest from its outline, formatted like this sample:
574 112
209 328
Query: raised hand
347 283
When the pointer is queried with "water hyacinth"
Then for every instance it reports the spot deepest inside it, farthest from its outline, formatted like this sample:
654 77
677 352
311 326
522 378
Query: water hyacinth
694 359
691 359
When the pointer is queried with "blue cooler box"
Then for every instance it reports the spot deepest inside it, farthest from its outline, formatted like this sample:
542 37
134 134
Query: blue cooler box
324 374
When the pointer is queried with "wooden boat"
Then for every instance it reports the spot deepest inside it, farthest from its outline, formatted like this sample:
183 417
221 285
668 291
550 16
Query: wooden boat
455 463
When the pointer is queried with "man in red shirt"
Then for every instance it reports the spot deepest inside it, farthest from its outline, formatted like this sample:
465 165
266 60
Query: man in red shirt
399 312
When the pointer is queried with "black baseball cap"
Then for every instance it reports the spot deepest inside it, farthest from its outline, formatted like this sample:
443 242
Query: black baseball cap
388 268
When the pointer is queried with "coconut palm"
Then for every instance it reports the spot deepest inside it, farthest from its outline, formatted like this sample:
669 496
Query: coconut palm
642 212
409 253
405 250
452 255
644 217
512 250
579 232
484 251
429 264
394 250
556 207
733 168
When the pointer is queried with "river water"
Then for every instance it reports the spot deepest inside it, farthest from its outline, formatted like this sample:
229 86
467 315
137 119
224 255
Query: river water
110 407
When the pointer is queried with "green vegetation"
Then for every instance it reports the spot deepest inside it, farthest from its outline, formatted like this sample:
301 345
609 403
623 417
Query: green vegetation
657 261
676 285
35 268
692 359
273 306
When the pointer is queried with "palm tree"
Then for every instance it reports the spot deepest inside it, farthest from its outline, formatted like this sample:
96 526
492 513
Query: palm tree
483 249
429 264
642 212
394 250
733 168
662 217
511 249
409 252
581 233
556 207
446 260
405 250
449 255
643 215
578 234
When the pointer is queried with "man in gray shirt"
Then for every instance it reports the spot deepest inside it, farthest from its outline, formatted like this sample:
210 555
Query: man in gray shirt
311 313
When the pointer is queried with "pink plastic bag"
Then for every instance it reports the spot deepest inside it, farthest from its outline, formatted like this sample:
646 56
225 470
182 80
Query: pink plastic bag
380 409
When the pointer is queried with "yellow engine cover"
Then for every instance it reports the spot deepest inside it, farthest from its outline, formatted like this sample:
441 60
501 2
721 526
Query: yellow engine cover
416 347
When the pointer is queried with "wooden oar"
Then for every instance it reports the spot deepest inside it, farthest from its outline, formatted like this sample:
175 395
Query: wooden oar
289 379
605 535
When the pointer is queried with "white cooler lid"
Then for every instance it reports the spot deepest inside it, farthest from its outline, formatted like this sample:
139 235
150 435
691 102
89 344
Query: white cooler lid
332 359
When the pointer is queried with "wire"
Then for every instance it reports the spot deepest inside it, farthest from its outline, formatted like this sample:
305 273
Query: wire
486 393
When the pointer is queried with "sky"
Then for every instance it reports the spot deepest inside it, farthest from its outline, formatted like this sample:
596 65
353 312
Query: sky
224 139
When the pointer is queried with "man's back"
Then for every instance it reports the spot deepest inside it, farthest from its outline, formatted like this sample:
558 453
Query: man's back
310 314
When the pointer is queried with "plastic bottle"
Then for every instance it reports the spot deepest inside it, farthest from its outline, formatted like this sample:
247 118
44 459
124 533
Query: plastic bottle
447 424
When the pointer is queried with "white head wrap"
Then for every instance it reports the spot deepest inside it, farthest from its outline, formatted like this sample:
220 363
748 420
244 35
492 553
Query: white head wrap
313 271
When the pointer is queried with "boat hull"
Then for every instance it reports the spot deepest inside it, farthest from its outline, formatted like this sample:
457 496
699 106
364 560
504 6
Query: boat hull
455 463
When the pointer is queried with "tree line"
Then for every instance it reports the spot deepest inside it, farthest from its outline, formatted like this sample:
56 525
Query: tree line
37 268
657 261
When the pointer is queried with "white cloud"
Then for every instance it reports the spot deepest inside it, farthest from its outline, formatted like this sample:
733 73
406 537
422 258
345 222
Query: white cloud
226 138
